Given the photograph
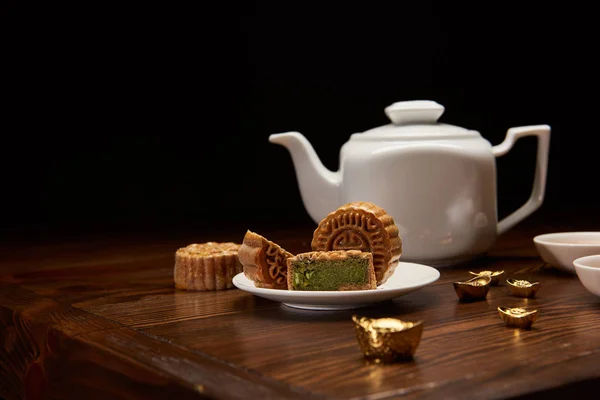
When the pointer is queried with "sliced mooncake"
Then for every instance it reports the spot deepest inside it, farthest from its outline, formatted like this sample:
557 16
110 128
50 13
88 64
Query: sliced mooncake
264 262
331 271
206 266
362 226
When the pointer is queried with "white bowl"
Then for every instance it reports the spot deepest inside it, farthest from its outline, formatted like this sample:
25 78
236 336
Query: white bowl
560 249
588 272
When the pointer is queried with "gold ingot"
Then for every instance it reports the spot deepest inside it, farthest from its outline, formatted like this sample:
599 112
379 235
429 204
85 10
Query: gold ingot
495 275
523 288
387 339
518 317
474 289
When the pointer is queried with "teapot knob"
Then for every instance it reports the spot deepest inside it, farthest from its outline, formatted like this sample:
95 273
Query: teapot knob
414 112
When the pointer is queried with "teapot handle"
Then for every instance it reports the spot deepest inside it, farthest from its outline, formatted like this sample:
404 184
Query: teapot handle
541 169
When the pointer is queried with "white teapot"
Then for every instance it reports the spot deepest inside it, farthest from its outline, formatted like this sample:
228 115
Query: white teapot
437 181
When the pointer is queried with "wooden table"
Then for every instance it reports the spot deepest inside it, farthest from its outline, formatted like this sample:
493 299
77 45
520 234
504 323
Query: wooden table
100 319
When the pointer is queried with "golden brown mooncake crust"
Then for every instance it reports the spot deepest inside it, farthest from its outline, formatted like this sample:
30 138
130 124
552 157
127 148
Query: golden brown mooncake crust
362 226
264 262
206 266
336 255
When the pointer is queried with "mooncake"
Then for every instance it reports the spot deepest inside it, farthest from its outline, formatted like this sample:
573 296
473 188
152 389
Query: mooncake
331 270
362 226
206 266
264 262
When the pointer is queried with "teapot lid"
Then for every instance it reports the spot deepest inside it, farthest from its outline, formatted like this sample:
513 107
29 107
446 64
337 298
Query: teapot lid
416 119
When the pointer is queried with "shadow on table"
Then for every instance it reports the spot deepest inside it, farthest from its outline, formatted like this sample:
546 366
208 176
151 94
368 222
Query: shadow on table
570 391
379 310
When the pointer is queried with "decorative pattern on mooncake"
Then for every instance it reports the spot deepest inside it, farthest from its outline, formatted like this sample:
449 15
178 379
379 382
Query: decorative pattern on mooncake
331 271
265 262
362 226
206 266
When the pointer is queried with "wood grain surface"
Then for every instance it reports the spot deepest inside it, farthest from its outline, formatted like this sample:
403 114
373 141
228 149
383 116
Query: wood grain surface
99 318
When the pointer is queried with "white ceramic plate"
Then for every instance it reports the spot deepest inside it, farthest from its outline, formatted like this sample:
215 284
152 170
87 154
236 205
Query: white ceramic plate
407 278
560 249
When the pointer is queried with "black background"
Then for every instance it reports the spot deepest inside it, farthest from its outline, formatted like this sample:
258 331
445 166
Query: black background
155 117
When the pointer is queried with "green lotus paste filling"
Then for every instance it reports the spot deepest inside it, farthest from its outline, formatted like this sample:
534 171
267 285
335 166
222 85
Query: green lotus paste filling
329 275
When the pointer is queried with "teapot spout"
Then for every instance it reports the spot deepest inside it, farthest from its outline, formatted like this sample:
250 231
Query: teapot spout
319 187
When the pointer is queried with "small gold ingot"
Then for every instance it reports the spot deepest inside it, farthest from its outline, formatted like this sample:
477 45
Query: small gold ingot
387 339
523 288
518 317
495 275
474 289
